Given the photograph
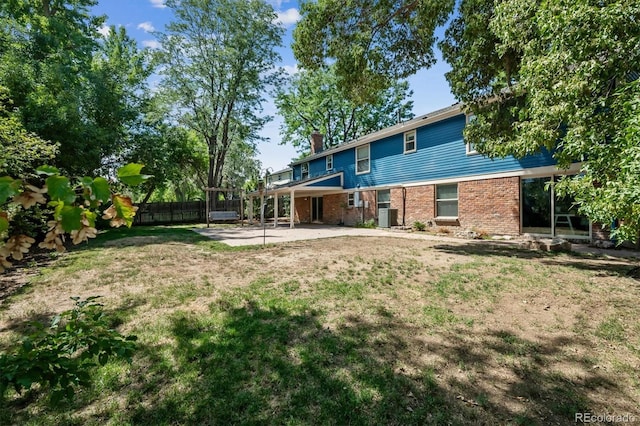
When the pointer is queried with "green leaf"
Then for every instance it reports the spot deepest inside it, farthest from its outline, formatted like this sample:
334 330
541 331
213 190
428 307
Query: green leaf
25 382
91 217
8 188
71 218
100 189
59 189
4 223
47 170
130 174
124 208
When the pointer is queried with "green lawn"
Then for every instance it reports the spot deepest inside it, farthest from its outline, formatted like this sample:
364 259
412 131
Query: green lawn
341 331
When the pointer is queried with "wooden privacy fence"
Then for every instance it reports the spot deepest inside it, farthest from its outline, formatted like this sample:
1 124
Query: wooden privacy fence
165 213
180 212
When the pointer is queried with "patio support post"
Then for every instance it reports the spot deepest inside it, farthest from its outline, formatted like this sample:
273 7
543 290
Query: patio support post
275 210
262 209
292 208
251 210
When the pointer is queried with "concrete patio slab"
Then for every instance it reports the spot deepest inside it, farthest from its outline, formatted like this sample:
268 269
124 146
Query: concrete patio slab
256 235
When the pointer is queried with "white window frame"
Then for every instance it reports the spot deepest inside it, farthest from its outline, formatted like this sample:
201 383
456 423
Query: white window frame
448 199
378 202
351 200
410 134
304 171
367 159
471 148
329 162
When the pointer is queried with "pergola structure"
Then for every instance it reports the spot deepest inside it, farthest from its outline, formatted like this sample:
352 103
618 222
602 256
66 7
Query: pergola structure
226 190
319 186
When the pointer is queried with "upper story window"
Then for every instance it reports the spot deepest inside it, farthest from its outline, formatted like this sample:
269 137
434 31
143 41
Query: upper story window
447 200
329 160
471 148
362 159
410 142
304 168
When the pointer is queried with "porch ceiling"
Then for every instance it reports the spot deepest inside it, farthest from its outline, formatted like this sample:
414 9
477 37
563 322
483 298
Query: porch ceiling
332 183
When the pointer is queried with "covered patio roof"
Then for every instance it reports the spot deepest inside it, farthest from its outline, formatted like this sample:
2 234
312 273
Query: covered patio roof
326 184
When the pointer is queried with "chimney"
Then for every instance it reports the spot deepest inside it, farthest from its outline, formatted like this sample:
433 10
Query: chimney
316 142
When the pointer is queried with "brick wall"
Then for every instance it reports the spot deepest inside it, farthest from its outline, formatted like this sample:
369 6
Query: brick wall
303 209
333 208
334 211
600 232
491 205
419 204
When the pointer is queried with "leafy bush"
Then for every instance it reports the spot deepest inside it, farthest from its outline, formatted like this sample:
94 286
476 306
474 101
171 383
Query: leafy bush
419 226
371 223
66 206
62 354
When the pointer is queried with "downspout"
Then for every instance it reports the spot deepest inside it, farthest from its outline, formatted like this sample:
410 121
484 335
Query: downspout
404 206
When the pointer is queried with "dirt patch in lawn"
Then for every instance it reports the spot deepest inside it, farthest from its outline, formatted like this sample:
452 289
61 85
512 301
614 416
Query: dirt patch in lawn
491 333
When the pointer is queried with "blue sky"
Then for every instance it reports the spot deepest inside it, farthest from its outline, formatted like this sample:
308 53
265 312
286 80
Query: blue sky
141 17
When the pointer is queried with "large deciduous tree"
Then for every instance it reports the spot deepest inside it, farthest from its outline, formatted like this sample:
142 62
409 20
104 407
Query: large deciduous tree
70 85
312 101
372 43
46 50
562 76
217 59
114 103
20 151
557 75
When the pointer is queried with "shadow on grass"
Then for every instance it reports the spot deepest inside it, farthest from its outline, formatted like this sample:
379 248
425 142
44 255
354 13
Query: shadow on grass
139 236
606 267
15 280
24 325
265 365
142 235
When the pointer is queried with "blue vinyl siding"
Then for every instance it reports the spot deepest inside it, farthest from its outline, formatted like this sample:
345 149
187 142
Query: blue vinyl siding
441 154
334 181
317 167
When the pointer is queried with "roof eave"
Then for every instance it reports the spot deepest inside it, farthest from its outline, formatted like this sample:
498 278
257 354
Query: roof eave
432 117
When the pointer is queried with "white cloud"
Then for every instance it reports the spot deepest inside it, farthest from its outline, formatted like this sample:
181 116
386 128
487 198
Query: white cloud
104 30
291 69
147 27
151 44
158 3
288 17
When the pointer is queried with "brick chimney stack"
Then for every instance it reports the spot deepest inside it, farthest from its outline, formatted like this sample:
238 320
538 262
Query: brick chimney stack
316 142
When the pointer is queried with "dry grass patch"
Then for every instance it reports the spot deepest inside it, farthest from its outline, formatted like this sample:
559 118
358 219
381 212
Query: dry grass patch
345 331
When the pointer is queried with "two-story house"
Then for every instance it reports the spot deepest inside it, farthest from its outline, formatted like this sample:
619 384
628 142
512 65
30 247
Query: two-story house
424 171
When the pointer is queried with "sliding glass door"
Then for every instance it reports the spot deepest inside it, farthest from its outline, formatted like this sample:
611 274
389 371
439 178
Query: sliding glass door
536 206
544 213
